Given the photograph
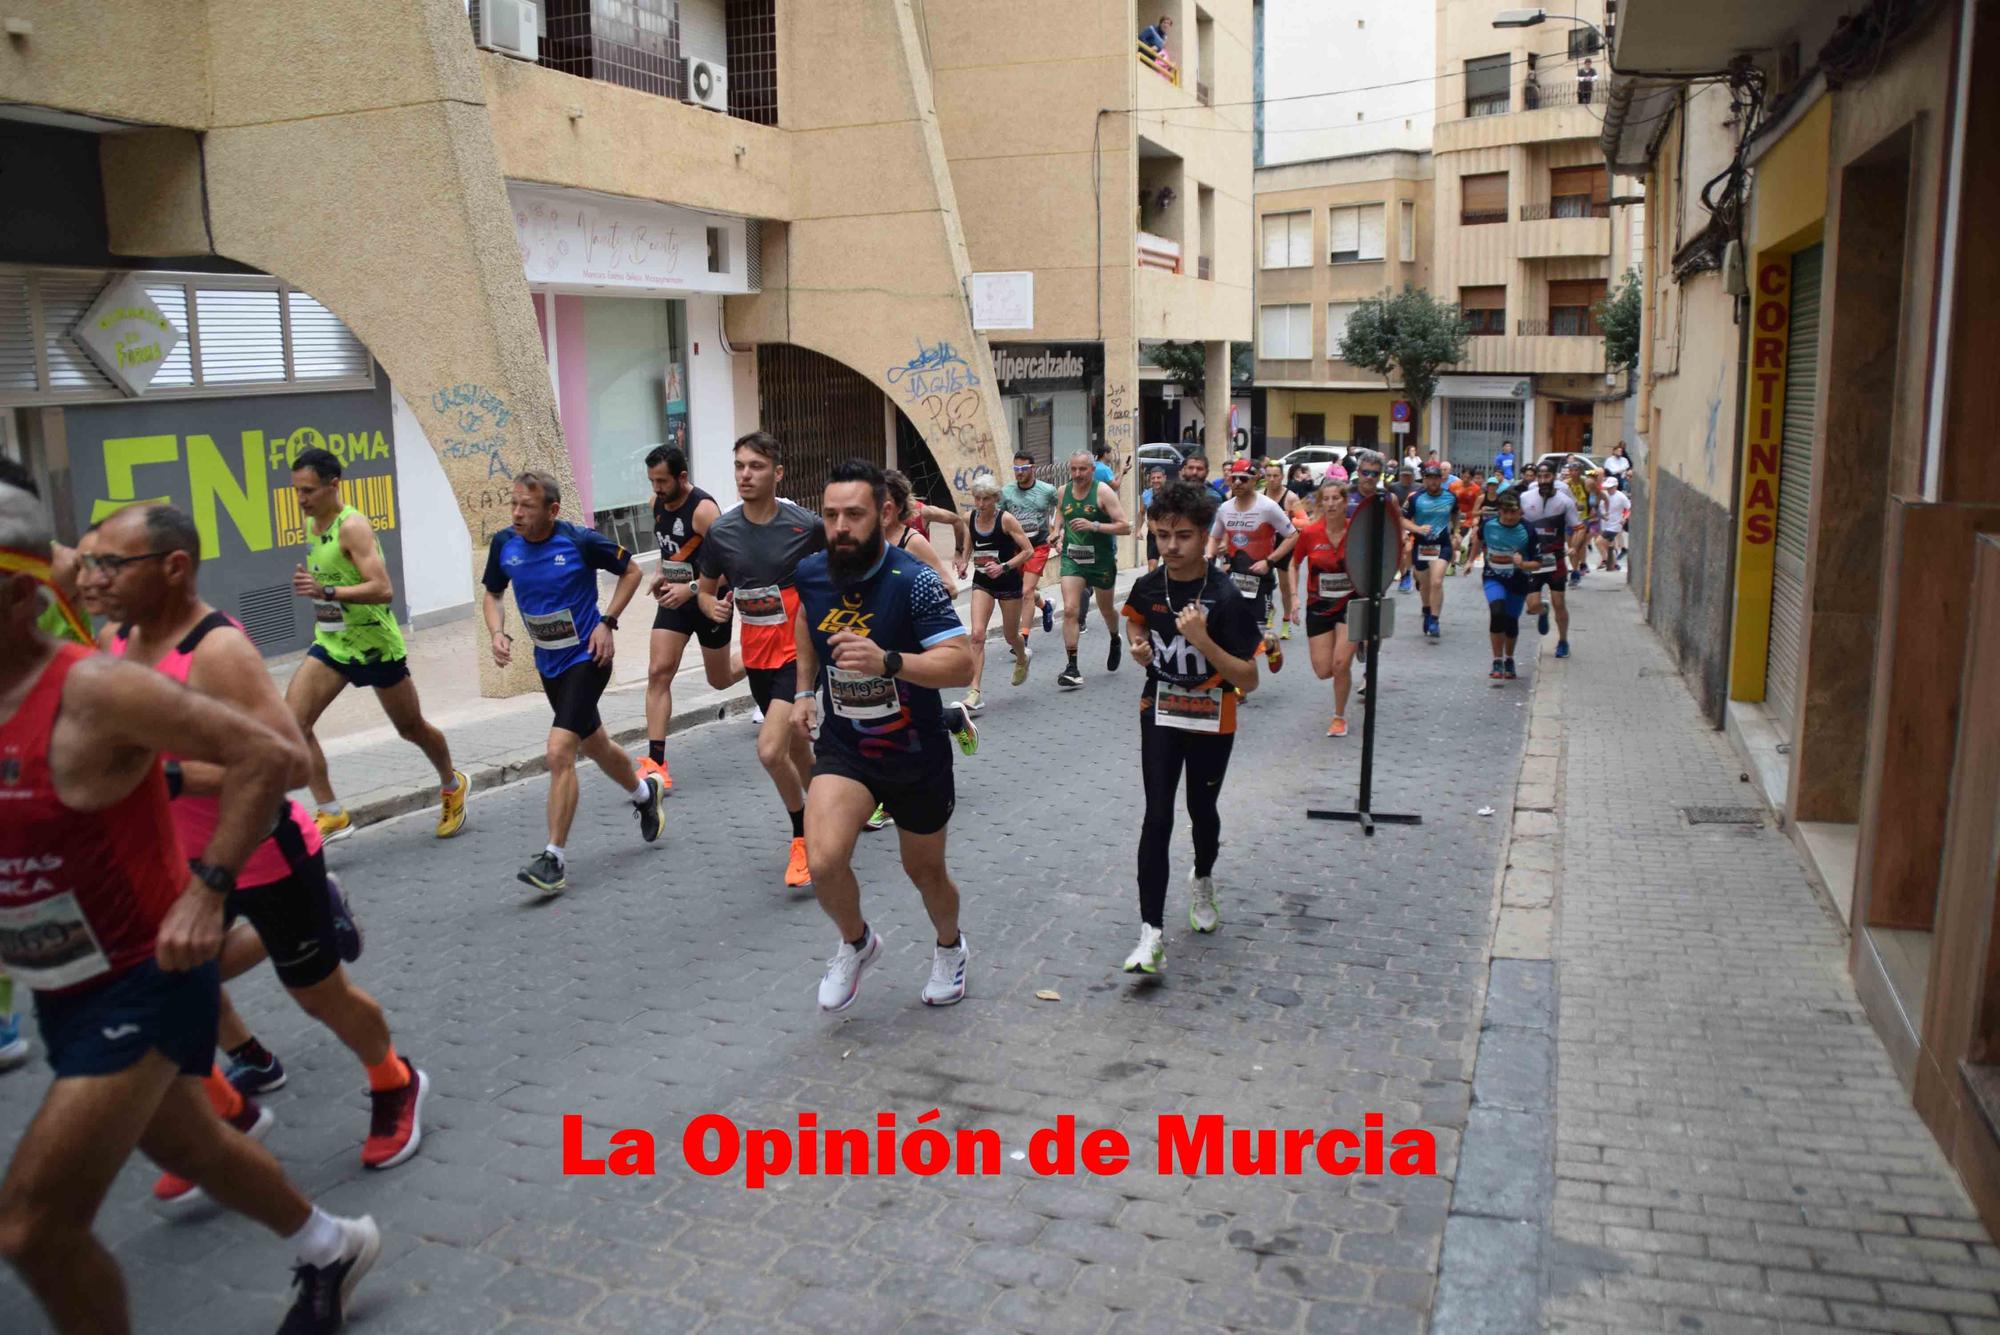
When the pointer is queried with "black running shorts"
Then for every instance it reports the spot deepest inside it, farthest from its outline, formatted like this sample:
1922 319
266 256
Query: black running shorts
919 805
108 1028
294 920
1320 622
768 684
575 692
689 619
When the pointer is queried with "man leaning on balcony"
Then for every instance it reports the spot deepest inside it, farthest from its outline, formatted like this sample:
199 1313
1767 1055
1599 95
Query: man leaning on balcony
1154 39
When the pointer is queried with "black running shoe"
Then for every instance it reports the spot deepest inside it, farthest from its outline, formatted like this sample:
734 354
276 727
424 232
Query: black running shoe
544 873
1508 669
252 1079
321 1307
1048 617
346 929
1070 679
1499 669
1111 655
651 817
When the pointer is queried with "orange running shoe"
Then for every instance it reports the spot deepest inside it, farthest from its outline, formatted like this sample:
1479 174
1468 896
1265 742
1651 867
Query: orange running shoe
798 871
648 766
1338 728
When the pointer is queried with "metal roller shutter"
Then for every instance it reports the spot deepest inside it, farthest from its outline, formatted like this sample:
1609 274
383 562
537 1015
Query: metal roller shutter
1788 579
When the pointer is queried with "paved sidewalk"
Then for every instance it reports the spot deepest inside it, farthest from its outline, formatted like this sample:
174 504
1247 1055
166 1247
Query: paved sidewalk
1733 1150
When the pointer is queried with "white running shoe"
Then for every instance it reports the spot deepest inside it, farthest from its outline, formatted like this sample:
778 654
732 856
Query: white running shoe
757 715
947 981
1150 953
842 983
1201 907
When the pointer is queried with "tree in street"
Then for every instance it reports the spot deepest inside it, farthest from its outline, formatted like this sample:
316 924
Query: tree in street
1186 364
1618 315
1410 337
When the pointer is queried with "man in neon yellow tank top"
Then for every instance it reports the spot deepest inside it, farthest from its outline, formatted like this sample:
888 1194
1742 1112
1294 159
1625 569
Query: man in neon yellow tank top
355 640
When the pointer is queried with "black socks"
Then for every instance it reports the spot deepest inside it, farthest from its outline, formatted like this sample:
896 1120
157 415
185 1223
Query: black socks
657 750
798 823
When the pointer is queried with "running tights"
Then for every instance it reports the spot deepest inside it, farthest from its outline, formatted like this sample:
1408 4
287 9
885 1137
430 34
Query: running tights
1162 754
1500 622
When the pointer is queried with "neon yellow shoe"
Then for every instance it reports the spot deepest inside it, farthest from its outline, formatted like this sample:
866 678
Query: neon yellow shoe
451 816
333 825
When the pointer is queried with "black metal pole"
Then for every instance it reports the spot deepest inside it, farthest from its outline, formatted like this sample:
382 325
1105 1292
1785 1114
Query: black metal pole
1368 705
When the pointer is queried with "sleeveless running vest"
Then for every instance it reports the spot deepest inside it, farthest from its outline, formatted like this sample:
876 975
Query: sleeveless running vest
196 816
82 893
348 632
1093 550
674 527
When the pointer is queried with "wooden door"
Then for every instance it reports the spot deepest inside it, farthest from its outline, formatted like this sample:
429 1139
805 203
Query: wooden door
1569 432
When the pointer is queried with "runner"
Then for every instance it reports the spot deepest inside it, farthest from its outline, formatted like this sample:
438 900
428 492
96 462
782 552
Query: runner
356 642
1584 493
1617 511
1321 555
282 889
1402 489
553 567
1091 518
682 513
757 547
879 623
1196 636
1034 504
897 532
1470 492
1432 512
1253 536
1156 478
1551 511
116 935
1281 496
999 549
1194 469
1508 546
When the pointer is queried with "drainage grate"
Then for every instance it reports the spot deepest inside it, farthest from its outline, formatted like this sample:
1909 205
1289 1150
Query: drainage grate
1723 815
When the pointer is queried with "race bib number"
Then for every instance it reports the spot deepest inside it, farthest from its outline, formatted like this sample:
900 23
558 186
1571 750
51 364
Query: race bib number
676 572
49 944
762 606
328 613
1427 551
856 695
1246 583
1187 708
1542 565
985 555
1084 554
551 630
1334 585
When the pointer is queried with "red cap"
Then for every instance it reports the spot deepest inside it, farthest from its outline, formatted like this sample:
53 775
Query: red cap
1242 466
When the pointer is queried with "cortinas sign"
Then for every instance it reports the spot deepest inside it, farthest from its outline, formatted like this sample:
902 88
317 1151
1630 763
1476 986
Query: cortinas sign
127 335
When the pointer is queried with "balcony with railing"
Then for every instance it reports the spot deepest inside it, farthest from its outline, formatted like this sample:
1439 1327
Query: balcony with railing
1568 227
1539 96
1562 322
1159 62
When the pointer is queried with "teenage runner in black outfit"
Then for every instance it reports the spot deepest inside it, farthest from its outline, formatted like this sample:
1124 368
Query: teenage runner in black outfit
1197 638
1000 547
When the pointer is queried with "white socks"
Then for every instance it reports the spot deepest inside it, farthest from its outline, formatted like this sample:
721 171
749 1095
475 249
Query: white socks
555 851
320 1241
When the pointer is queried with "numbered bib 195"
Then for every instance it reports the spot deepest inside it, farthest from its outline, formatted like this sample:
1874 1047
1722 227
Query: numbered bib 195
857 695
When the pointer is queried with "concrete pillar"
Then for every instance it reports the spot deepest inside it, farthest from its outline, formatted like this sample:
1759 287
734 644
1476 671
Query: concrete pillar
1215 399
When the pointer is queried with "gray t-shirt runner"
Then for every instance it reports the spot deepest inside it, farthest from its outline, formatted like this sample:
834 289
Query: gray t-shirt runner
1031 506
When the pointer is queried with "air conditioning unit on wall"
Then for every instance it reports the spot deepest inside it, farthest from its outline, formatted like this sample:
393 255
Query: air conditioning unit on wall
706 84
510 27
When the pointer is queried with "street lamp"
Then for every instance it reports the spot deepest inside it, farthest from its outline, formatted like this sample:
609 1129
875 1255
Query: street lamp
1530 18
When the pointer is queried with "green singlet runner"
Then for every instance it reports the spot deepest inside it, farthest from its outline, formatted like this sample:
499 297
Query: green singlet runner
1091 557
348 632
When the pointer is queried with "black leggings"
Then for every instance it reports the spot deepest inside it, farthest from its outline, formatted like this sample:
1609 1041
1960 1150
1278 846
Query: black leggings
1162 753
1500 623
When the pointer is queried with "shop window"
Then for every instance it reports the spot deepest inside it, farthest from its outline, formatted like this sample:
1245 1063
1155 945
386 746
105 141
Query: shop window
1482 198
1355 234
635 352
1484 308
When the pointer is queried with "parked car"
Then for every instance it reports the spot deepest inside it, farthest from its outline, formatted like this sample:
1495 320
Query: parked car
1160 454
1316 458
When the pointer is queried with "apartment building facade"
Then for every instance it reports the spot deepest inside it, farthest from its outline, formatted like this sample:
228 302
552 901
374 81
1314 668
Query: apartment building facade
1850 622
553 234
1333 233
1527 240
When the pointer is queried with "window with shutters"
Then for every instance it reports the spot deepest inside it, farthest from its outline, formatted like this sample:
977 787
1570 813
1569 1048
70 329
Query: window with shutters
1284 333
1337 315
1406 233
1579 192
1584 42
1354 235
1288 240
1487 86
1484 308
1573 307
1482 198
240 334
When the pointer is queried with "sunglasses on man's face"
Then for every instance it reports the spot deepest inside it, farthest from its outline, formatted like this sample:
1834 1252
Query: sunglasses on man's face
1369 472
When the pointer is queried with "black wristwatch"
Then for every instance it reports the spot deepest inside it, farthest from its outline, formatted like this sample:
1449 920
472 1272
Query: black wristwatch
892 663
219 879
610 621
327 594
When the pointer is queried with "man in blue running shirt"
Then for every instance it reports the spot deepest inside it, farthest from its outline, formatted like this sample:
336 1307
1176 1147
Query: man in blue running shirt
552 565
1508 545
1432 510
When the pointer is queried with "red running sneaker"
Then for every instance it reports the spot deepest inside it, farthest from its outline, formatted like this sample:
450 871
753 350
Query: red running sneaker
396 1127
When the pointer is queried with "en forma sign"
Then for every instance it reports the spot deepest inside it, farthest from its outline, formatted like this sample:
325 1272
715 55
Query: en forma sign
1763 435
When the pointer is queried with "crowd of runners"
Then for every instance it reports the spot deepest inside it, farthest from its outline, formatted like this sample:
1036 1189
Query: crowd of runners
149 852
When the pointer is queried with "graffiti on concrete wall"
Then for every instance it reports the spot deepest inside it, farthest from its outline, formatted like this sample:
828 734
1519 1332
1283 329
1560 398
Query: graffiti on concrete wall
1117 417
937 370
474 424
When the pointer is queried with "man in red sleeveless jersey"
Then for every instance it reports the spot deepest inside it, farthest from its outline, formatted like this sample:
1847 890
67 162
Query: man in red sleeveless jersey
116 932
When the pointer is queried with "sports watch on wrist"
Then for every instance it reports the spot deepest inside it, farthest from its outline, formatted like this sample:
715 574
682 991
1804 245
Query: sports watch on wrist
610 621
892 663
326 593
219 879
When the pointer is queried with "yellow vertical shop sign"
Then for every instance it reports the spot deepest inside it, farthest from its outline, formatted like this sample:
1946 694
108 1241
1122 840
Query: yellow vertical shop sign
1764 431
